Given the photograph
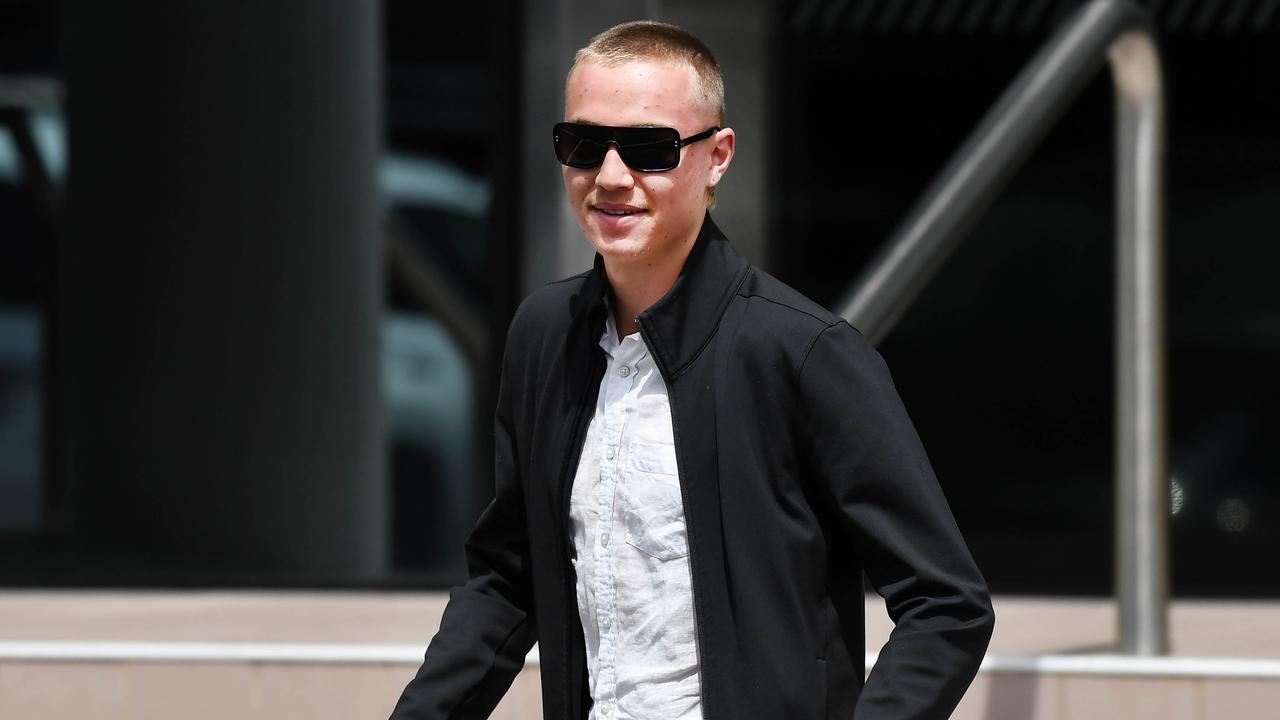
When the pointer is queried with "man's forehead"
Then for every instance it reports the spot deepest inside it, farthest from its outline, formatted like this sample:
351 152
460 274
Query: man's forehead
639 93
633 74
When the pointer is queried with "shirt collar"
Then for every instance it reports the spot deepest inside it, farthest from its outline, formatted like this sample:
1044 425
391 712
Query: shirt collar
609 338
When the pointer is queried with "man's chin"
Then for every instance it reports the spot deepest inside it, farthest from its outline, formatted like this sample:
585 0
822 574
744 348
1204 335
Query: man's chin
610 239
618 247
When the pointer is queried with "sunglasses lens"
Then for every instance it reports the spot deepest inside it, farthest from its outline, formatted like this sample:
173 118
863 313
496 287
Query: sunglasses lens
642 149
579 146
651 149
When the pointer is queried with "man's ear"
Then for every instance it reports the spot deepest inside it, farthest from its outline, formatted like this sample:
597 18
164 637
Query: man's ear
721 154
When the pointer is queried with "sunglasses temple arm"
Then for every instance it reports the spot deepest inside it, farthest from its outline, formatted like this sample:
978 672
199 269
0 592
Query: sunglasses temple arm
700 136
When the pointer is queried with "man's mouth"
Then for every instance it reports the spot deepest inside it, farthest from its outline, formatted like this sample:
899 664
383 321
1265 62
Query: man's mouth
617 210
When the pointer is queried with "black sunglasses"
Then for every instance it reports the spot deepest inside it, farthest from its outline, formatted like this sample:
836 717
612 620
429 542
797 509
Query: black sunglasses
646 149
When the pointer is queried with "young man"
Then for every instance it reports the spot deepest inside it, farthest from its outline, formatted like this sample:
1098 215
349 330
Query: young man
695 463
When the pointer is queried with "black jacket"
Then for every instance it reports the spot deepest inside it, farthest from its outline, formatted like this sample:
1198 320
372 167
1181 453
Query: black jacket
799 468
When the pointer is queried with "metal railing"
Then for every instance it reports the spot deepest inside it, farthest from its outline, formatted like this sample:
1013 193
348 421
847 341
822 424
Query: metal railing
1117 33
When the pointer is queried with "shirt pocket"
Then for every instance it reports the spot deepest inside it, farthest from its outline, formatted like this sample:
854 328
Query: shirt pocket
652 508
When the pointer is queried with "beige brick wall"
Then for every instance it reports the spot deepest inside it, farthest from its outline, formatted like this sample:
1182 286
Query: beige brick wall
219 691
248 689
1025 696
276 691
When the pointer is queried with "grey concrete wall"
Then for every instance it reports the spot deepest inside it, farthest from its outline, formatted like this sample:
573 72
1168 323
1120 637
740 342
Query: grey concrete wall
737 32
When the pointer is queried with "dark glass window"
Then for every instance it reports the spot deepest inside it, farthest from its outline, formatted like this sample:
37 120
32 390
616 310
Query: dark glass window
450 268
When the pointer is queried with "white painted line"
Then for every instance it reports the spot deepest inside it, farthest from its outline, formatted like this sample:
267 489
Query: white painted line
343 653
360 654
1127 666
209 651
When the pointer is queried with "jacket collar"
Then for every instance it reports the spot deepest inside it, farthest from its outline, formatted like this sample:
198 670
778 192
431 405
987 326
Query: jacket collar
678 326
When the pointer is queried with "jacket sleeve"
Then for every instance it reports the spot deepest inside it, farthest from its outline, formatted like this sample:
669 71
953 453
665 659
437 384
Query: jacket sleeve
872 469
487 627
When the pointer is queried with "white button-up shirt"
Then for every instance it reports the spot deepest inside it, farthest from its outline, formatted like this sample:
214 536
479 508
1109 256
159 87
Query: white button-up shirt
635 595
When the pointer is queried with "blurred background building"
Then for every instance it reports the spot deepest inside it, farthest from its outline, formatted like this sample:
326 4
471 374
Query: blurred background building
257 262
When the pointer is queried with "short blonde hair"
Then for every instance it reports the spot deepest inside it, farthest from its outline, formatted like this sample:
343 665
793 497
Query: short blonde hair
651 40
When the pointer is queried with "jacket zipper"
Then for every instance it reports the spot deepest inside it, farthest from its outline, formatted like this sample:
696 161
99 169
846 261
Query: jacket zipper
688 523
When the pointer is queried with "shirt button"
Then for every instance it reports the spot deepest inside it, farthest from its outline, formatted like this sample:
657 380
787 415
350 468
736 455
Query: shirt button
605 621
624 371
604 538
609 452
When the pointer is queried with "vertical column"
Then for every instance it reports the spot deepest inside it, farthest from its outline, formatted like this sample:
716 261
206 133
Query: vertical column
553 31
739 35
1142 473
220 292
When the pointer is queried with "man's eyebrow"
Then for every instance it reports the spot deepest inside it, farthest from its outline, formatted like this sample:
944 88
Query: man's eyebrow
637 125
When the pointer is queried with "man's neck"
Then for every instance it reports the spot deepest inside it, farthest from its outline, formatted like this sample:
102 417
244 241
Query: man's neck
637 285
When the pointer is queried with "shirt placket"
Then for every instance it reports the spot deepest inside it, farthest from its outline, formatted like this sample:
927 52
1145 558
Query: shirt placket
622 376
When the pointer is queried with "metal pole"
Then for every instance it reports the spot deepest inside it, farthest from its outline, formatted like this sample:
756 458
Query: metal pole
1142 478
1119 32
984 164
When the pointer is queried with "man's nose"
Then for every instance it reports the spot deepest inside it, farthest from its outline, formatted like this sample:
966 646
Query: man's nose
613 172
